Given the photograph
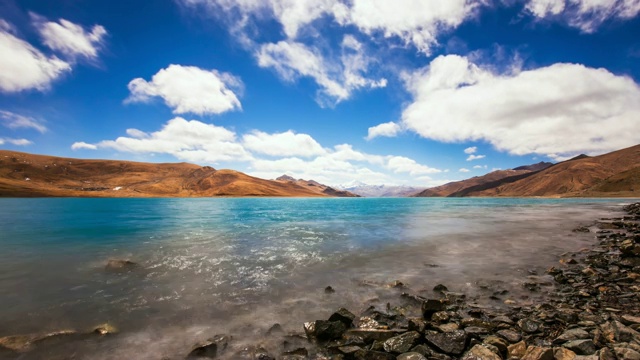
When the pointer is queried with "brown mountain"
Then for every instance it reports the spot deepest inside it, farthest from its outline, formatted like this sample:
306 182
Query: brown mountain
28 175
315 186
616 174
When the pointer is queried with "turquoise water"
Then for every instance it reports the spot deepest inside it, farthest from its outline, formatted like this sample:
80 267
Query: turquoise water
219 265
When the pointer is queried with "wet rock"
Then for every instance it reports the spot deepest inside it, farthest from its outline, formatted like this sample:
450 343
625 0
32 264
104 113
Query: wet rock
17 343
372 355
538 353
510 335
411 356
629 319
366 322
626 354
501 319
476 331
431 306
479 352
105 329
402 343
572 334
329 290
517 350
418 325
440 317
452 343
275 330
563 354
211 348
349 350
499 343
615 331
440 288
120 265
344 316
297 354
529 326
581 347
606 354
326 330
370 335
448 327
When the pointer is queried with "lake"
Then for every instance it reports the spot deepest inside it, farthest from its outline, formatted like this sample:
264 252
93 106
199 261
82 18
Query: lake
238 265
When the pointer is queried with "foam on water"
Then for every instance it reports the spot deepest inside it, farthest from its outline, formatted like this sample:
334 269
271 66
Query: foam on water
237 266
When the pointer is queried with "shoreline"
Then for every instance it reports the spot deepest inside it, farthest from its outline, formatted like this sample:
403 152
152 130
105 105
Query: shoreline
469 315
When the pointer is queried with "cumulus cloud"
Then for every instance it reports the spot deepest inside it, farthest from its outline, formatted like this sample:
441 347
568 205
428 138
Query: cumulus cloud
337 79
470 150
17 121
558 110
70 39
23 66
463 170
480 166
192 141
475 157
282 144
586 15
400 164
189 89
17 142
83 145
389 129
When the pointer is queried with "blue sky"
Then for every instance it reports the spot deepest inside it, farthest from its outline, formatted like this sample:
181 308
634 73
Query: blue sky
383 92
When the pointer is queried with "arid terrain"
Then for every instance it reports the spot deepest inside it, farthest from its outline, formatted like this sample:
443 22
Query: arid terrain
28 175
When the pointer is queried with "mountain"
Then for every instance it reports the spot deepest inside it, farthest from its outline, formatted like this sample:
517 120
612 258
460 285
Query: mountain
616 174
29 175
316 187
365 190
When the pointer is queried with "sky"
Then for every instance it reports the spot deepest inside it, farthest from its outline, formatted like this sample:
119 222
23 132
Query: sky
402 92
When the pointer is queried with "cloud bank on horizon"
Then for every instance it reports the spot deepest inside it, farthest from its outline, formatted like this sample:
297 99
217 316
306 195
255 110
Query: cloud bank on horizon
450 97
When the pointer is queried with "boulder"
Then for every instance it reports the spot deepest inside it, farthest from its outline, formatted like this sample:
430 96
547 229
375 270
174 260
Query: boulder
538 353
452 343
344 316
402 343
517 350
529 326
510 335
572 334
431 306
581 347
561 353
326 330
372 355
370 335
626 354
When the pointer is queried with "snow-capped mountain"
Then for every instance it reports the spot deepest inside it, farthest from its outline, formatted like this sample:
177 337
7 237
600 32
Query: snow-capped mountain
362 189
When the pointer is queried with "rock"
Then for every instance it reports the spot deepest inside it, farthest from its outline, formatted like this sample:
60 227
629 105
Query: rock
344 316
626 354
529 326
629 320
416 324
510 335
449 327
366 322
452 343
372 355
440 317
606 354
560 353
402 343
572 334
538 353
105 329
326 330
119 265
349 350
369 335
501 319
329 290
275 330
499 343
475 331
17 343
431 306
615 331
440 288
411 356
211 348
517 350
479 352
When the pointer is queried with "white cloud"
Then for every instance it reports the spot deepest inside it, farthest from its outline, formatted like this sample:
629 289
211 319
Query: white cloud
17 121
282 144
337 79
401 164
470 150
556 110
390 129
17 142
480 166
192 141
415 22
463 170
189 89
69 38
83 145
586 15
475 157
23 67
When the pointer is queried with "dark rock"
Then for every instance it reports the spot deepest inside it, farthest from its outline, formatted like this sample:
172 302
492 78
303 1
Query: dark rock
476 331
411 356
572 334
452 343
440 288
275 330
431 306
329 290
581 347
440 317
402 343
510 335
418 325
369 335
327 330
626 354
349 350
105 329
529 326
211 348
344 316
372 355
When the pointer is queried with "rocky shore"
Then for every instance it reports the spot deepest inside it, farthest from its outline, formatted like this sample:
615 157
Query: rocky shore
587 306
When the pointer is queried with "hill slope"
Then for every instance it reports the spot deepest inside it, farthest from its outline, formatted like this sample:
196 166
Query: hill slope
316 187
28 175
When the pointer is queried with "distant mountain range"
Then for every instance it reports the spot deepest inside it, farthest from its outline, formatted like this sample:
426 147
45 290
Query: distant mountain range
315 186
365 190
616 174
28 175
